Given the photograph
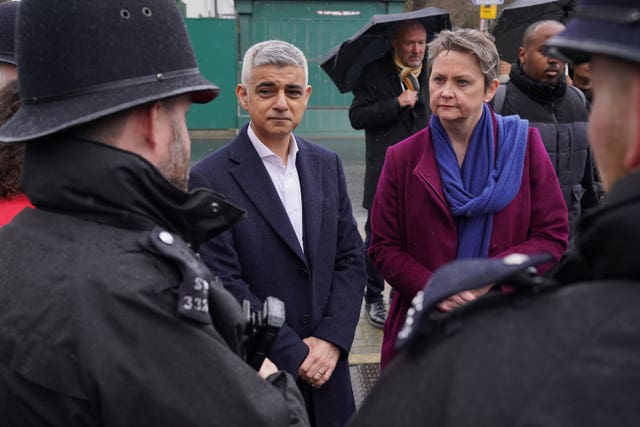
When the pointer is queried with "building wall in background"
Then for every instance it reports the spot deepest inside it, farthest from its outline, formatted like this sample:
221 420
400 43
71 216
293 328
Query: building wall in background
210 8
314 26
215 43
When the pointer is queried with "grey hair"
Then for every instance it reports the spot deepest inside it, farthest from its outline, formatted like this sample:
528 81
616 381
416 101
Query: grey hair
403 26
467 40
273 52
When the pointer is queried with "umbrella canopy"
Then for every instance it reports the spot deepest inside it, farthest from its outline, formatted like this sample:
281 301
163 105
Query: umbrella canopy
345 62
516 17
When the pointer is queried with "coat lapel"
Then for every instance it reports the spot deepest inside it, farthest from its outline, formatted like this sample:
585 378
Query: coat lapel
310 173
427 171
253 178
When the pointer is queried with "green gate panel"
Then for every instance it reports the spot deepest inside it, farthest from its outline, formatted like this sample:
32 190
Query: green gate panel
215 43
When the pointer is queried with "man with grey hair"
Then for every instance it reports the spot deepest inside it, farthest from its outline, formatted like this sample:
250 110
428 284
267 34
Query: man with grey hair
391 103
299 242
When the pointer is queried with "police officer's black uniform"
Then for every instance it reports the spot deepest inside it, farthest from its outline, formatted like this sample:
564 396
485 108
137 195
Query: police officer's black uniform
556 352
107 316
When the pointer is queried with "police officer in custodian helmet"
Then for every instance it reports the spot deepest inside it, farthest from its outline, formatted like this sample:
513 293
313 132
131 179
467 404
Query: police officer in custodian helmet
107 316
562 352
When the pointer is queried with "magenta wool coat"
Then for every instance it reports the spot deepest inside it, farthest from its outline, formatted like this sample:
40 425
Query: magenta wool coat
414 233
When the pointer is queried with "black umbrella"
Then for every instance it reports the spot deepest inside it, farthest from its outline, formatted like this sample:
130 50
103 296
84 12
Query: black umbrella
516 17
344 63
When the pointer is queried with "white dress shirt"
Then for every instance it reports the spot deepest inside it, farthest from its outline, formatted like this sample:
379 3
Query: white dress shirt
285 180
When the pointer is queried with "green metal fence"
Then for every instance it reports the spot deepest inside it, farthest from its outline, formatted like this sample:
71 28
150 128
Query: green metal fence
215 43
314 26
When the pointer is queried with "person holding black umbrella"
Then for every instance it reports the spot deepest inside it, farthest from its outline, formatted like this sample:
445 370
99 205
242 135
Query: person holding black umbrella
391 102
107 315
565 354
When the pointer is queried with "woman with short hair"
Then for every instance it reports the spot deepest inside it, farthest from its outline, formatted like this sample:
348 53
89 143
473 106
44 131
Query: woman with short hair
471 184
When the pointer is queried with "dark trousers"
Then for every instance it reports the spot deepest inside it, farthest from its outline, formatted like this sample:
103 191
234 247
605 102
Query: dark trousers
375 282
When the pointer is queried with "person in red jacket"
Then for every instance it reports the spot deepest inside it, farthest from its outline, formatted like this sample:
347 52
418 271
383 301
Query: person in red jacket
12 199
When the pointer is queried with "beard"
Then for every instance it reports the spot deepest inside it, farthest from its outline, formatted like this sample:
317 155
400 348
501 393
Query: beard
176 170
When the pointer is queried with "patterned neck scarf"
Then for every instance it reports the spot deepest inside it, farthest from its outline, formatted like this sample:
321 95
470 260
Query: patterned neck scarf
408 75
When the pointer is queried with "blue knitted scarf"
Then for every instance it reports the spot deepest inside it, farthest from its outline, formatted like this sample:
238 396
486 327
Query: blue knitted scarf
486 183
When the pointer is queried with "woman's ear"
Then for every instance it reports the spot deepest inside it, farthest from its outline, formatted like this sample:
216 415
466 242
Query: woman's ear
491 90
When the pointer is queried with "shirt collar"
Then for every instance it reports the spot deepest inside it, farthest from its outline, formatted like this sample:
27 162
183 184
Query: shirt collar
264 151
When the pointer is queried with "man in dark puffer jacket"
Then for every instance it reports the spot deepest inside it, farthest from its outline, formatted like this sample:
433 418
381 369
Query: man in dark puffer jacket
537 91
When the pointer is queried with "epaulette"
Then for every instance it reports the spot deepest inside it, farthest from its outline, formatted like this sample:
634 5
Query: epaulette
193 291
201 295
515 270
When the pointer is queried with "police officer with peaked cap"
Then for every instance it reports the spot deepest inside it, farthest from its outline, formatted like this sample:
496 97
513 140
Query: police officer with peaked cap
563 352
107 316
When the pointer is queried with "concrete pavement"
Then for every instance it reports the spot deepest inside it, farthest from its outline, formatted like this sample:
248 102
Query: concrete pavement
364 359
367 341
